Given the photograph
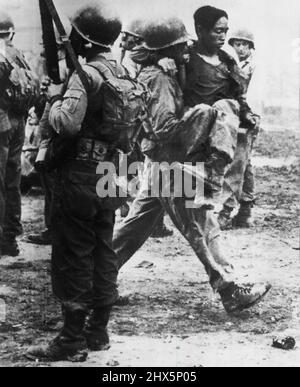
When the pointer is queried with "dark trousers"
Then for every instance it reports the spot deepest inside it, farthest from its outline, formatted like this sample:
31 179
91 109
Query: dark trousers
48 182
84 265
198 226
240 175
11 143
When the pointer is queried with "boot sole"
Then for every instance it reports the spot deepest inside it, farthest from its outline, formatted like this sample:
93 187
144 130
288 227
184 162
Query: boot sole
247 306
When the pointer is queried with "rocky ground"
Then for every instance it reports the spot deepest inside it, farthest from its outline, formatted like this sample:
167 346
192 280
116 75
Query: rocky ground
173 318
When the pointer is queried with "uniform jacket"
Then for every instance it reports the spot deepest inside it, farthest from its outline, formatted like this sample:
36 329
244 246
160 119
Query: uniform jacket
166 109
68 115
248 67
5 70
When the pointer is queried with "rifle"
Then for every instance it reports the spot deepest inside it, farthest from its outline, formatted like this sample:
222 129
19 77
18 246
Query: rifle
65 39
50 45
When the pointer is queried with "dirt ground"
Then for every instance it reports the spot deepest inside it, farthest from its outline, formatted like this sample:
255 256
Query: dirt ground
173 318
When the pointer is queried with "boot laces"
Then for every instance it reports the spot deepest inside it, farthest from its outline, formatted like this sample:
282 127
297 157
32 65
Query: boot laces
244 289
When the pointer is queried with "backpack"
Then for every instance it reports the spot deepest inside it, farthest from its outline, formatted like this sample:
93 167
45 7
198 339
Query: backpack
124 105
23 89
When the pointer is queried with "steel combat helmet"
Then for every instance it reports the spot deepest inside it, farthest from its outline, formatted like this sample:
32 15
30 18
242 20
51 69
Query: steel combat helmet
98 24
136 28
164 33
6 23
243 34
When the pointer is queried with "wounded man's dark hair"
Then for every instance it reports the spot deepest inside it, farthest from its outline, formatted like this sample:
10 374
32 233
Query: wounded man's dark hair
207 16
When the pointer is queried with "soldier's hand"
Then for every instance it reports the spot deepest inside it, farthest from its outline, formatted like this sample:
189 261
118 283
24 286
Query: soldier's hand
45 83
253 121
256 128
168 66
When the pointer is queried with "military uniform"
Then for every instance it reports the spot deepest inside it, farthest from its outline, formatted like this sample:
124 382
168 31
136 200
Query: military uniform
12 135
184 137
84 264
180 139
48 177
241 175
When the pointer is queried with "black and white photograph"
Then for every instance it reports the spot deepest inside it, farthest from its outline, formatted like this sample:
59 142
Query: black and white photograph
149 186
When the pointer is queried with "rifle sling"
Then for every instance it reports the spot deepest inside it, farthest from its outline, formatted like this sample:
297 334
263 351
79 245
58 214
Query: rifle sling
67 43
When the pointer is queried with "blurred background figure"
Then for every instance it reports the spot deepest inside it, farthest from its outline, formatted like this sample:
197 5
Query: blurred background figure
242 41
43 134
18 90
132 36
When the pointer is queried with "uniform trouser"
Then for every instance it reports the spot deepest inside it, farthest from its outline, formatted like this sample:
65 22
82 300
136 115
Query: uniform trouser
207 129
214 127
199 227
240 176
11 143
84 265
48 181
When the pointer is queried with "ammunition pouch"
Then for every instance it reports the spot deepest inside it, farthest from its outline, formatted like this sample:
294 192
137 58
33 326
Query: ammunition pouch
57 150
93 150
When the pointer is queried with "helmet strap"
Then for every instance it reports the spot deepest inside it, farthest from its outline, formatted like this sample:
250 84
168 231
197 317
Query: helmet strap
90 40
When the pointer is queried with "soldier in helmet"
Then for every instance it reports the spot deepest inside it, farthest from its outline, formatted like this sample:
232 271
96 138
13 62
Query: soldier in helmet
45 132
84 265
132 39
132 36
243 42
181 135
12 135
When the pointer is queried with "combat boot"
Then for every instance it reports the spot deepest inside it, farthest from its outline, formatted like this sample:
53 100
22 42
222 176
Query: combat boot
243 219
70 344
10 247
224 218
96 330
44 238
236 298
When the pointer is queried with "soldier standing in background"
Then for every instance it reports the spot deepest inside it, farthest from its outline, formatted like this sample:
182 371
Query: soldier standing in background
132 36
45 132
17 86
243 43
